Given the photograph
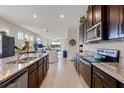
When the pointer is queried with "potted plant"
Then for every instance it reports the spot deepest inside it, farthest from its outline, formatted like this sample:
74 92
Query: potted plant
82 19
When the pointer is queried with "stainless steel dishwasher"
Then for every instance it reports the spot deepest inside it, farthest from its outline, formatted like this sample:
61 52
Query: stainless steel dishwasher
20 80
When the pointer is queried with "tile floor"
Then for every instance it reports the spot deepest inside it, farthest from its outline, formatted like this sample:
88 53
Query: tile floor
62 74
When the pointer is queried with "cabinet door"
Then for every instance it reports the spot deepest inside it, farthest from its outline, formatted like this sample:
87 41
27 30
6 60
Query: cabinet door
89 17
47 64
33 79
120 85
97 13
40 70
85 72
113 21
98 83
45 68
121 25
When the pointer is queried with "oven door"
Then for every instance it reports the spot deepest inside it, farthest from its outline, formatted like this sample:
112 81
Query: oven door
85 71
94 33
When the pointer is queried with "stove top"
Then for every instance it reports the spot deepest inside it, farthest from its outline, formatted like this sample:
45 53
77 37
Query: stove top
111 55
91 59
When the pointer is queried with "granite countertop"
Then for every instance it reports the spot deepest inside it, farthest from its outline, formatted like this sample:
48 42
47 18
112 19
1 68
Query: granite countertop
116 70
8 70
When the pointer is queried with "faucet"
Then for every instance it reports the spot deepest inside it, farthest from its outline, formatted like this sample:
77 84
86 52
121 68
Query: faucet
18 56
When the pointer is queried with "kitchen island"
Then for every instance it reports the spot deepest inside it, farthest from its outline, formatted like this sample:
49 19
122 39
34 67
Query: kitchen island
34 71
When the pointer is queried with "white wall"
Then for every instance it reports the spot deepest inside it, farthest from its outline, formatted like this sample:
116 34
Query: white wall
12 30
72 34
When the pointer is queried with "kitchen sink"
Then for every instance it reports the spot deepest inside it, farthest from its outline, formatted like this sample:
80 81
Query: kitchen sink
22 61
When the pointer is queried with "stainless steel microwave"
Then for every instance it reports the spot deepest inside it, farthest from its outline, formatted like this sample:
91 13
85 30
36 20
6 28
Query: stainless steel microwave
95 33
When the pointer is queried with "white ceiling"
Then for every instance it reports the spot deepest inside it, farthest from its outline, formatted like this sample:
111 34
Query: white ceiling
48 18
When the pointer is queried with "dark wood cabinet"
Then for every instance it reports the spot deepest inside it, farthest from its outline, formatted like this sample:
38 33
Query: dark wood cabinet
47 62
115 21
98 83
33 79
85 71
120 85
121 23
40 71
45 68
97 13
113 12
102 80
89 17
33 76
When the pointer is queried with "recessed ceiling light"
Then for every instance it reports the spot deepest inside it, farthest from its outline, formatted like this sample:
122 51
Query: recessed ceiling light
62 16
34 15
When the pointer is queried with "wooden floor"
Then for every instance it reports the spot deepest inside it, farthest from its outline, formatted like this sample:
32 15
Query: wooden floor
62 74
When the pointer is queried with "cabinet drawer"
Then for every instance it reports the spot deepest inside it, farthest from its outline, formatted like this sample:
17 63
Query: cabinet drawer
111 82
32 67
120 85
40 62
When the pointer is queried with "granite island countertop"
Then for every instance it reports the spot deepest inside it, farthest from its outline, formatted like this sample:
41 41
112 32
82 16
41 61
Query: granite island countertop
8 70
116 70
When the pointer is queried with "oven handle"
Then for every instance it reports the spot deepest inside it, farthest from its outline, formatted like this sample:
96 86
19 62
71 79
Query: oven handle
85 62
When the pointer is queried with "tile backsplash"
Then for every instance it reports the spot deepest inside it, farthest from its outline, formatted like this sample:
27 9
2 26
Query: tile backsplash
119 45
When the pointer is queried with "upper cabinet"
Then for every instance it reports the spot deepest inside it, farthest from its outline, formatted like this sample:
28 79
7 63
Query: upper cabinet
104 22
97 13
89 17
121 23
96 23
94 15
115 21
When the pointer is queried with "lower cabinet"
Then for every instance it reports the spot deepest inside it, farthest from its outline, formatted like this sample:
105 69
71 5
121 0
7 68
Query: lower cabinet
120 85
102 80
98 83
47 62
46 65
33 79
40 71
37 72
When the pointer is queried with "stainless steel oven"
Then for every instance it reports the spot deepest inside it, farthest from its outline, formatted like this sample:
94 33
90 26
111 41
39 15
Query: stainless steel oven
95 33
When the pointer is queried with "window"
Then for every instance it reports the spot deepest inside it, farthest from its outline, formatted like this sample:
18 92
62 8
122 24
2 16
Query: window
20 35
31 38
27 37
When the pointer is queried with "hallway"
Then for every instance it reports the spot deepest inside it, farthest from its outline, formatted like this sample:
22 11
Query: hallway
63 75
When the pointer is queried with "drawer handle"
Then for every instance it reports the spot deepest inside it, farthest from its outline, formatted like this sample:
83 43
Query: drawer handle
100 75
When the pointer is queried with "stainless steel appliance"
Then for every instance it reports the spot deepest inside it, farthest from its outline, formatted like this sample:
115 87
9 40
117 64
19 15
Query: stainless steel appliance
20 80
95 33
6 46
111 55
